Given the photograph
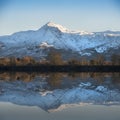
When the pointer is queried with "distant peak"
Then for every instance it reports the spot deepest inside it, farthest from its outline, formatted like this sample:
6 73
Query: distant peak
50 23
60 27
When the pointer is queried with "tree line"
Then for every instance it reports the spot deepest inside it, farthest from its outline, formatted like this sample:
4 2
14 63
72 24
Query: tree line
55 58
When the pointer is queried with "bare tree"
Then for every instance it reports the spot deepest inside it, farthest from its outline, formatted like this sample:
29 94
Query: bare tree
55 58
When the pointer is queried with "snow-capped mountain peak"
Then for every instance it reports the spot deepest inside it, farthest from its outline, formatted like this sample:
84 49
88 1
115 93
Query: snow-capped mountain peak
51 25
84 43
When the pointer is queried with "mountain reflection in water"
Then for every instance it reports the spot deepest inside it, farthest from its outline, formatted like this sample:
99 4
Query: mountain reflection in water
52 90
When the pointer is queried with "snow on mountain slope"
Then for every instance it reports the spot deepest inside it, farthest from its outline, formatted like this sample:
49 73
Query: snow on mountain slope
24 43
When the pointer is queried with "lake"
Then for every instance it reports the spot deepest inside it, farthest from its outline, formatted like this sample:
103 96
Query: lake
10 111
56 96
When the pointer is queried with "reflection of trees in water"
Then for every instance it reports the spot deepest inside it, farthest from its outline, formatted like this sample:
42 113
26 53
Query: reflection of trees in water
12 76
83 76
98 77
80 75
116 78
55 79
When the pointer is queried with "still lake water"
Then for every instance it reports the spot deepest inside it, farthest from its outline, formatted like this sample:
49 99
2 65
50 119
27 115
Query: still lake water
56 96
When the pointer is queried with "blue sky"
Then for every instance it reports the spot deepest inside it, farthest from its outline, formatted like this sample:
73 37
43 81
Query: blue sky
89 15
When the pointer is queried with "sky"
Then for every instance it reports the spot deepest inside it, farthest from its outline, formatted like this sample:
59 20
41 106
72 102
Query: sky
88 15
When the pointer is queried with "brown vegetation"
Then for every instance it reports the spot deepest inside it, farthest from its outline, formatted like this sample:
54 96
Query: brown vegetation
55 58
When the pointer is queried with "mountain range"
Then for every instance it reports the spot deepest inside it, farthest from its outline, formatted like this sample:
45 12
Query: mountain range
53 36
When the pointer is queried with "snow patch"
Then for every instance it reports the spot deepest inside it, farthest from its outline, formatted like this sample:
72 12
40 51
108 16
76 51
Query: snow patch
101 88
46 93
85 84
45 45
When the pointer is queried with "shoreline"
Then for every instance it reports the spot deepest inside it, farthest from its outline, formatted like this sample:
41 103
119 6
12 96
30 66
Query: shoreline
60 68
